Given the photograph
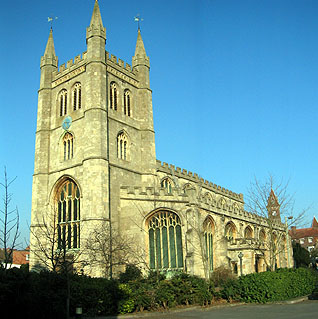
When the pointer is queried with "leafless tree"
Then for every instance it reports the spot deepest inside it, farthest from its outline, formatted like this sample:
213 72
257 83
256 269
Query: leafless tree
50 249
9 222
107 250
272 201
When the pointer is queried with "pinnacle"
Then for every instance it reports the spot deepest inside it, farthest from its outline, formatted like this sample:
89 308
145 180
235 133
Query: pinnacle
50 50
96 19
140 48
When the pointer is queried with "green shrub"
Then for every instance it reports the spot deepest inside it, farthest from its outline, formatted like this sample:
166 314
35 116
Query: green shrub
126 303
131 273
221 275
274 286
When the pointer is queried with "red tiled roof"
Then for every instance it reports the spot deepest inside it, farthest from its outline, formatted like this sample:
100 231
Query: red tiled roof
304 232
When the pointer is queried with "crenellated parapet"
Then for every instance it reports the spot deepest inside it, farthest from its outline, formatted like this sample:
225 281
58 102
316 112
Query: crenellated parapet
120 69
69 70
195 178
152 193
178 196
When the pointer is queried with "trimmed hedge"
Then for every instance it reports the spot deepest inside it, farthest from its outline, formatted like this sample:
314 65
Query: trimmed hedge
272 286
43 295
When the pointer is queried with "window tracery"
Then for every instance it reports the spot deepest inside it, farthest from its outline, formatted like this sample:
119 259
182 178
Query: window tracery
230 231
248 233
68 208
167 184
68 146
122 146
165 241
208 242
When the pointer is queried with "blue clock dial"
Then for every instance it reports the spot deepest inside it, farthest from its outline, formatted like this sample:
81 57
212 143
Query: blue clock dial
67 122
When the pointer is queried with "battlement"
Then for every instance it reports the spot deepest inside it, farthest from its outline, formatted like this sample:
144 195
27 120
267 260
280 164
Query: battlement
194 177
145 192
70 65
125 67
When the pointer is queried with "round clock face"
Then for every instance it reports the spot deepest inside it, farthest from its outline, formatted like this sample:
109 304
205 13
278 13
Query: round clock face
274 213
67 122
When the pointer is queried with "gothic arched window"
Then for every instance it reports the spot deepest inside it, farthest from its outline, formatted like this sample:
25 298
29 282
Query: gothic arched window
68 146
262 236
63 102
127 103
165 241
113 95
230 231
77 97
208 242
68 208
122 146
248 233
167 184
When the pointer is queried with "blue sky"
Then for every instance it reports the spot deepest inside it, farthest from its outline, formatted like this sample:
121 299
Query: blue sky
235 85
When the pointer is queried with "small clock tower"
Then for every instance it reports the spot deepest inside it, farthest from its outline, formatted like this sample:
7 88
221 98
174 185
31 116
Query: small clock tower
273 206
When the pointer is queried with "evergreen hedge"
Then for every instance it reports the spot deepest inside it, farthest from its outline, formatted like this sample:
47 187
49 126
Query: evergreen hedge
43 295
264 287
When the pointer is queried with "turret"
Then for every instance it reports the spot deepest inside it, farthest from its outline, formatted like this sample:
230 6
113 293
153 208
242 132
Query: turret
96 36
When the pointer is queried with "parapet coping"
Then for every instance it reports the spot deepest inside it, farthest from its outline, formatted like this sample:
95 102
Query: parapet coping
149 193
81 58
70 65
123 66
194 177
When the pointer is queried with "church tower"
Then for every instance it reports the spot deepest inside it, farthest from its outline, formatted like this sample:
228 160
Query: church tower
94 134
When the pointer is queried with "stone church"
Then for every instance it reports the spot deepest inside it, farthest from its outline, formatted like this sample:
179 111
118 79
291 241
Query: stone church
95 167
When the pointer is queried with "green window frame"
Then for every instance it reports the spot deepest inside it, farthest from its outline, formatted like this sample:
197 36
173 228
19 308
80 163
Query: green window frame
208 242
165 241
68 216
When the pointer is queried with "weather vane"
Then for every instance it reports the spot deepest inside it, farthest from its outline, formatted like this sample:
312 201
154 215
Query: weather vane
138 19
51 19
